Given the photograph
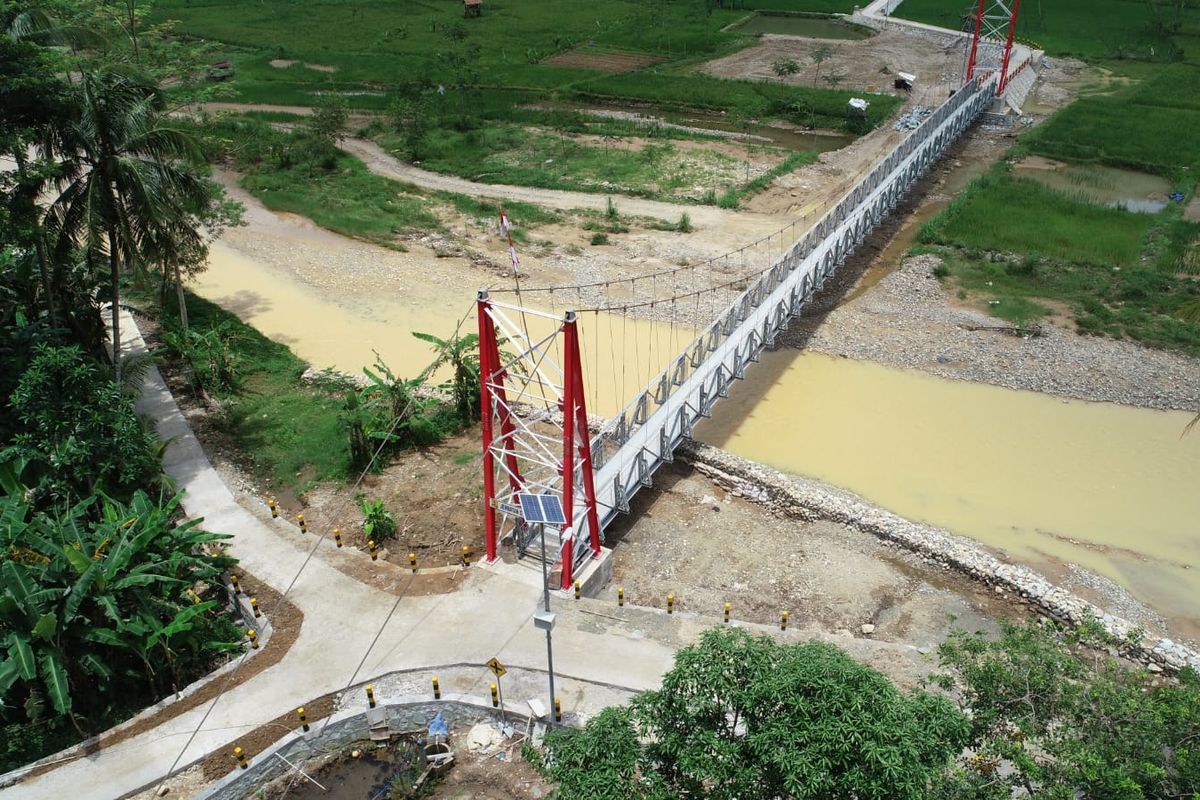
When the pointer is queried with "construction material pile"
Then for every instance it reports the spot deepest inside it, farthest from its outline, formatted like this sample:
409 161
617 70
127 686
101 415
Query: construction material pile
911 120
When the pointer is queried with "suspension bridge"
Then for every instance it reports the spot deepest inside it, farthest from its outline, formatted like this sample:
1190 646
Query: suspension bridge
537 434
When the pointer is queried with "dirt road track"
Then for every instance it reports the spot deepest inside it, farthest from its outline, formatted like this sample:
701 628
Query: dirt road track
381 163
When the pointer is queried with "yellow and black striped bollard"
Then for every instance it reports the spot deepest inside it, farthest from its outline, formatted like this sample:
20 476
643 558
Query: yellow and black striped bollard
374 550
728 606
303 718
412 562
783 621
577 591
274 507
437 689
233 581
240 755
337 536
370 695
466 555
557 710
495 696
254 607
303 524
252 635
671 604
621 596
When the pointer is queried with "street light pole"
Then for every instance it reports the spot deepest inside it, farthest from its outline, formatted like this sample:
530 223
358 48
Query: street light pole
546 598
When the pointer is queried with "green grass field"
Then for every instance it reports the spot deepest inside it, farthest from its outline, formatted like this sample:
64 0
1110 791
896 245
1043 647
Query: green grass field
1014 244
1003 213
367 49
1089 29
1150 126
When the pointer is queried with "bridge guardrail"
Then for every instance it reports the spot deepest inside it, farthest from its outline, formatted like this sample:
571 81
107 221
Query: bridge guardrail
631 445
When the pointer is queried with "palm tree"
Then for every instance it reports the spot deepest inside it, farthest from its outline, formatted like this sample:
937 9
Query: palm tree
125 185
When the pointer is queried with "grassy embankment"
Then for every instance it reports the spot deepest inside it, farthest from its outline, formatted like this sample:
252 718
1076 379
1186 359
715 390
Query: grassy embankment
289 432
493 68
1011 242
294 172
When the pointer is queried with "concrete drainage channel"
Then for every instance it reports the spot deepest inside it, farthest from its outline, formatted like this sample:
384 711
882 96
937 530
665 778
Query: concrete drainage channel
403 717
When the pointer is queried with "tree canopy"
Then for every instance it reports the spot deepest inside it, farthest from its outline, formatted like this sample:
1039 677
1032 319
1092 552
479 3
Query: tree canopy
1042 712
740 716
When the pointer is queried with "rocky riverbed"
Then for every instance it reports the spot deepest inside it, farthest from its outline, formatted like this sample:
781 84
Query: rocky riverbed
909 320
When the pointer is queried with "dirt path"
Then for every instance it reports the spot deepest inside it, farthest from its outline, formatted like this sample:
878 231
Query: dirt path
381 163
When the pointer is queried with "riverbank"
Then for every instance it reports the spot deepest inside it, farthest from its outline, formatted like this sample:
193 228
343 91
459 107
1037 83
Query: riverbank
808 500
910 321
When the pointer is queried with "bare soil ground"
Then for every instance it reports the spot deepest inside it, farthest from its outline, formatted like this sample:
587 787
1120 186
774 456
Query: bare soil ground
689 538
867 65
435 492
480 777
587 58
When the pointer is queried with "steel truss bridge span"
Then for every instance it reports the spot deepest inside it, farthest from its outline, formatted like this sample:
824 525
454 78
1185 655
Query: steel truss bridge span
547 450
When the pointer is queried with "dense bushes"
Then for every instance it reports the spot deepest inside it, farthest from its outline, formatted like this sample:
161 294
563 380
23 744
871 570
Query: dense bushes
77 432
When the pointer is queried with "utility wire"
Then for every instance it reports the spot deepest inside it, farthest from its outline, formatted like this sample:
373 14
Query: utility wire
229 680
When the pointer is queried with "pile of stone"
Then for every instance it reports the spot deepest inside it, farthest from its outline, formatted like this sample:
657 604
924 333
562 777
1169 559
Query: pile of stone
911 120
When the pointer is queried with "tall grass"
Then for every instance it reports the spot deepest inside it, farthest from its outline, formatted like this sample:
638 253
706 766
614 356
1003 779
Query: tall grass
1003 213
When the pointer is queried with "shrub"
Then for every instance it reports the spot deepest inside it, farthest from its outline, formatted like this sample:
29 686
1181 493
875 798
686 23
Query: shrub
599 239
685 223
77 430
378 522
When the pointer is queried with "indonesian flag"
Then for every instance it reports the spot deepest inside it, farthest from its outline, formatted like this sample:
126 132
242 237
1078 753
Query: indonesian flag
504 223
512 253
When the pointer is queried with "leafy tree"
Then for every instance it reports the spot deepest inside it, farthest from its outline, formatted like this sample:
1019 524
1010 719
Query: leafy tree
412 117
328 120
819 56
1053 715
77 430
740 716
603 761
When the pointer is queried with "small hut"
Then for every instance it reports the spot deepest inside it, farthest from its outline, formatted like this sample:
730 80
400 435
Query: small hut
472 8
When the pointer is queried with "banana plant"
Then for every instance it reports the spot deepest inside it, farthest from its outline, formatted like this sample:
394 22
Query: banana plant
98 597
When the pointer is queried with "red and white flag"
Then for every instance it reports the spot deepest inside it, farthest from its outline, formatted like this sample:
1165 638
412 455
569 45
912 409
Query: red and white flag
504 223
512 253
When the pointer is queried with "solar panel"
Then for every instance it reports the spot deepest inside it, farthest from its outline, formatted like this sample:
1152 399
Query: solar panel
552 510
531 509
545 508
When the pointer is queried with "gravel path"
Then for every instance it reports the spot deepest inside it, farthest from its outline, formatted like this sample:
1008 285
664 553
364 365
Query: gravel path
910 321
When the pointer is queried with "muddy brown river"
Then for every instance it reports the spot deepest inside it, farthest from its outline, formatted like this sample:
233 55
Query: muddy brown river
1111 488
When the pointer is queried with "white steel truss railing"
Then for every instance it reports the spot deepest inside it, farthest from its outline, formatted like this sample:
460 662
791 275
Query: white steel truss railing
631 445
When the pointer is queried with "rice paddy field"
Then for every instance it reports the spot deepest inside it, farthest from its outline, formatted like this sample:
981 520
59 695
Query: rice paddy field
284 51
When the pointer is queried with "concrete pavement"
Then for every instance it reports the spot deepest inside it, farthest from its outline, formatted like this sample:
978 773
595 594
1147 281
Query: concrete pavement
490 615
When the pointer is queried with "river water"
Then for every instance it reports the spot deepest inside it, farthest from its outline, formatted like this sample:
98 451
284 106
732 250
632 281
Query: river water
1109 487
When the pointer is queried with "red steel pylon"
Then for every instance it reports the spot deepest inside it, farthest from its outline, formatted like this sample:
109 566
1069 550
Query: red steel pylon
996 25
535 404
